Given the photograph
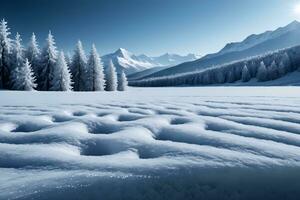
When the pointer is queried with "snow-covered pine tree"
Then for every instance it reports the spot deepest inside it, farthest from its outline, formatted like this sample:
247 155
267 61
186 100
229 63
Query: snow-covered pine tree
95 75
68 59
5 51
47 63
281 69
16 59
111 77
287 62
23 77
61 80
33 54
272 71
262 72
246 76
122 82
284 65
78 68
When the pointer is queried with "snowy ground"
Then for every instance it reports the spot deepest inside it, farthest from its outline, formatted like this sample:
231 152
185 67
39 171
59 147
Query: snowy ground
151 143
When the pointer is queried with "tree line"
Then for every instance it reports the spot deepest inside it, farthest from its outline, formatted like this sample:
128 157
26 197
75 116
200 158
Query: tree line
50 70
265 67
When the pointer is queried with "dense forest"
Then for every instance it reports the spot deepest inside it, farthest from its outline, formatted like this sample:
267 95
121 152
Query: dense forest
50 70
266 67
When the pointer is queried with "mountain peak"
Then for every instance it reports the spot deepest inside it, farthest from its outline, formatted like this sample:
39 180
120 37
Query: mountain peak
121 52
294 24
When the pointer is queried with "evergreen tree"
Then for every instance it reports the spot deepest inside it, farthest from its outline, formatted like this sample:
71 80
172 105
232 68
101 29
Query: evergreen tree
33 55
17 57
68 59
47 63
284 65
61 80
281 69
111 77
78 68
273 71
5 51
262 72
95 76
23 78
245 74
122 82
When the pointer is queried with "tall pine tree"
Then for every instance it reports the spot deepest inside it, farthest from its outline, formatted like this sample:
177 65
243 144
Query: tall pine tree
47 63
61 80
122 82
262 72
111 77
33 55
246 76
17 59
5 51
78 68
95 75
23 78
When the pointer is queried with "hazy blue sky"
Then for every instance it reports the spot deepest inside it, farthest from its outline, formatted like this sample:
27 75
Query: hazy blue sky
152 27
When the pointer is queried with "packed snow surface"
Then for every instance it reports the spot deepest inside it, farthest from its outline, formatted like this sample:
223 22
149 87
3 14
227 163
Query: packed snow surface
151 143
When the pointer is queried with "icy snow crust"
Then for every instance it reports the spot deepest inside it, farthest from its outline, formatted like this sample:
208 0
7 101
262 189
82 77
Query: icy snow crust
151 143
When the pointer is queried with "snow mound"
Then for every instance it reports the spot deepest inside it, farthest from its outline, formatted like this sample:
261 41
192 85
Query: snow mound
163 143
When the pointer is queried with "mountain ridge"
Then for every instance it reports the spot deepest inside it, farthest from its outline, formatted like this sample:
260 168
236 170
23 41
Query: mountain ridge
282 37
131 63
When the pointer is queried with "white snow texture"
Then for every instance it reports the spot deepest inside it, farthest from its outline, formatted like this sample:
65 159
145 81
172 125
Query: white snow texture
163 143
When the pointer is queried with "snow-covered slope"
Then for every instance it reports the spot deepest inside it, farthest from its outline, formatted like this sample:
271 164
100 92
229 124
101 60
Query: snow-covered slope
144 73
254 39
163 143
253 45
271 66
130 63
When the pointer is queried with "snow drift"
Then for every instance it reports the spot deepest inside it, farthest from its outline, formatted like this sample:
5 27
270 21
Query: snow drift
167 143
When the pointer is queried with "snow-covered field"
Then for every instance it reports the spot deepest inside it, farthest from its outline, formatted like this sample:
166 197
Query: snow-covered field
151 143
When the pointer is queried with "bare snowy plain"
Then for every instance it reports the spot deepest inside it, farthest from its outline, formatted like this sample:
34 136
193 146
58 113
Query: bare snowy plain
151 143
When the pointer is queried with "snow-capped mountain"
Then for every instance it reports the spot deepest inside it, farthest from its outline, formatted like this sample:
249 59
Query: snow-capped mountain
253 45
256 39
130 63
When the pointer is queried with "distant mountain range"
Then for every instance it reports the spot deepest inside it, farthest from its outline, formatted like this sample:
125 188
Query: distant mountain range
130 63
253 45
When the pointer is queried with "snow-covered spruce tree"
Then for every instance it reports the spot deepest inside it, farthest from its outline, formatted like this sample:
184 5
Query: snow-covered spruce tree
47 64
122 82
33 55
111 77
78 68
23 77
272 71
95 75
246 76
284 65
5 51
68 59
61 80
262 72
17 60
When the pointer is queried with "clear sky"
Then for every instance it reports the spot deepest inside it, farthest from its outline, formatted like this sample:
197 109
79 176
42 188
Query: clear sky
152 27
